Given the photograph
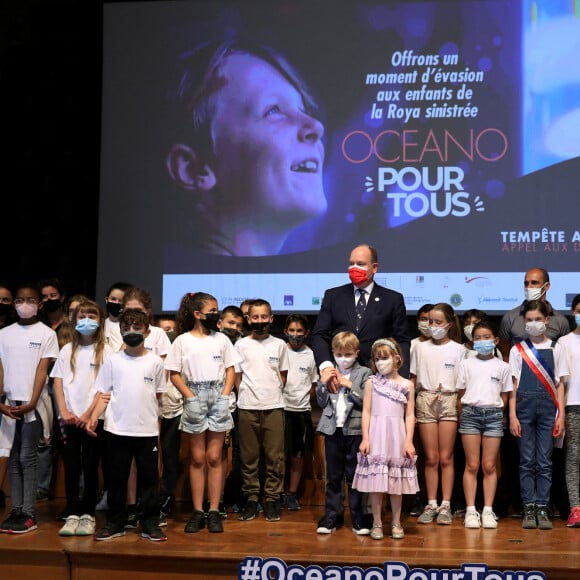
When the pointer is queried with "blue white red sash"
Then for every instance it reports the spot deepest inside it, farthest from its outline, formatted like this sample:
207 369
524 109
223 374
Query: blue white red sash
541 369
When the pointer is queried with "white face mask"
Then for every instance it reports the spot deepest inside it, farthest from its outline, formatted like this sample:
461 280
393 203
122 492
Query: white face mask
468 331
345 362
26 310
438 332
534 293
384 366
423 326
535 328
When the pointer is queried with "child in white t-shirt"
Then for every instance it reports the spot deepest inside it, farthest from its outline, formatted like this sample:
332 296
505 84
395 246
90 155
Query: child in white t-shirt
158 343
483 384
27 348
131 382
434 367
571 345
201 366
299 389
74 374
261 376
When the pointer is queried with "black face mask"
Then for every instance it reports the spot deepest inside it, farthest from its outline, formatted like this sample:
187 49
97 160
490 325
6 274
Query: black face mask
52 305
133 338
5 308
260 328
114 308
232 334
296 340
210 321
171 335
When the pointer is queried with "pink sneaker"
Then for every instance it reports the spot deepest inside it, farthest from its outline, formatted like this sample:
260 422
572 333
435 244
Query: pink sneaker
574 517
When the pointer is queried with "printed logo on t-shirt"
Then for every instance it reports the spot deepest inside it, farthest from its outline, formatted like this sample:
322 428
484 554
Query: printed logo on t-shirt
496 380
304 370
273 360
148 380
34 345
92 366
449 366
217 358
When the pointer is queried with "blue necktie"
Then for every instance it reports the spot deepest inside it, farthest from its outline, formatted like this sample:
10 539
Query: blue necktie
360 307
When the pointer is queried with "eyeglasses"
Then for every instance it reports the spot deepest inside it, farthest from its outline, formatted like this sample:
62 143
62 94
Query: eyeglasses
27 300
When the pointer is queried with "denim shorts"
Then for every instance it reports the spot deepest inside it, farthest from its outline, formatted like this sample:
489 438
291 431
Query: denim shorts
208 409
435 406
486 421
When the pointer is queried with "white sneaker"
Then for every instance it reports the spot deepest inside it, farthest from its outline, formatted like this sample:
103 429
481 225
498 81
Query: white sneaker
489 520
102 504
472 519
86 526
70 526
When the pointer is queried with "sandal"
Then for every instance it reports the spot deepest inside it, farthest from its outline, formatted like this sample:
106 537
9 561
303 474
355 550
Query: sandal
377 533
397 532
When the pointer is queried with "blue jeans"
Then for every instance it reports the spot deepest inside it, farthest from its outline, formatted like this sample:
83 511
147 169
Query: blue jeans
486 421
536 413
208 409
23 464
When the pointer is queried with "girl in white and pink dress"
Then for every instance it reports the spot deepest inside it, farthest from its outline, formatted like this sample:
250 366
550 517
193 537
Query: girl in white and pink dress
386 462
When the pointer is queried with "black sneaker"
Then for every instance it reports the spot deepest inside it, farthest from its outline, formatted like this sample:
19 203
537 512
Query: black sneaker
250 510
326 526
61 516
23 524
195 523
529 521
416 509
108 532
214 522
360 529
292 502
166 504
271 511
154 533
132 520
222 510
543 518
6 525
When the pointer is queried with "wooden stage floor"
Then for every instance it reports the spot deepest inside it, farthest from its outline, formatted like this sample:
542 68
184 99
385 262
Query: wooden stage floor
42 554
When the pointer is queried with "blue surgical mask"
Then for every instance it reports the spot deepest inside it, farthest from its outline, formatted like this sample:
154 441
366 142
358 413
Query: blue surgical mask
87 326
484 347
577 319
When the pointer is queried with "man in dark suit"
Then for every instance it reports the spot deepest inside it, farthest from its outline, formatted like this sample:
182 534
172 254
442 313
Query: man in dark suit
382 315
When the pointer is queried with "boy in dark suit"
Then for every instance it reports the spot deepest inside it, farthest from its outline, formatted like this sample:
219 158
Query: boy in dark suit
340 423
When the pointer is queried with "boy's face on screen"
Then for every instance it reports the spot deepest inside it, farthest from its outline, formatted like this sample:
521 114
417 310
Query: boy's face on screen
268 151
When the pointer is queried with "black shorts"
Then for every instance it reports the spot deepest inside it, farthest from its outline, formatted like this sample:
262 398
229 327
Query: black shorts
299 435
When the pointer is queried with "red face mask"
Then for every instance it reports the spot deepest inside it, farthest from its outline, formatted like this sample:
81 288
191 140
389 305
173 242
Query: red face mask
358 275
